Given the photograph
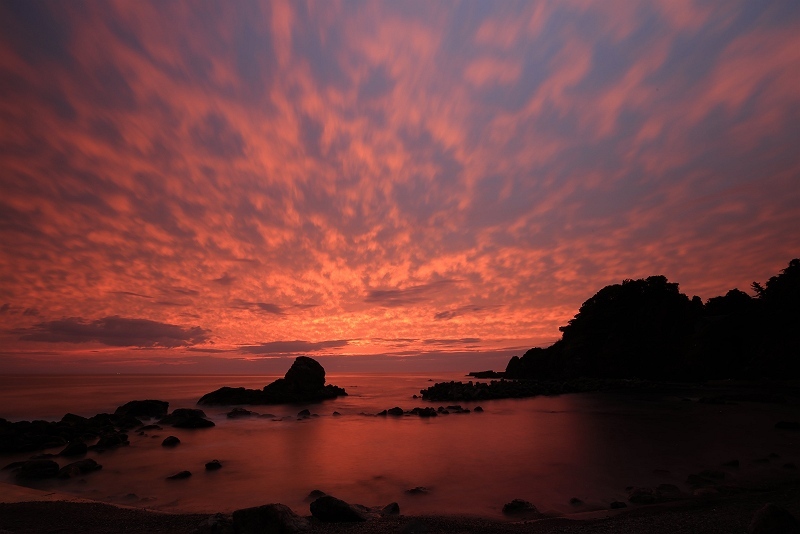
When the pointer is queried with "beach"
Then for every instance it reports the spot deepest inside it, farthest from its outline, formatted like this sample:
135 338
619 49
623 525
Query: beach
30 511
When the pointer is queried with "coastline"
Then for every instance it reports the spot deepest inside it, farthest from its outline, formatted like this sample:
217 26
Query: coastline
25 510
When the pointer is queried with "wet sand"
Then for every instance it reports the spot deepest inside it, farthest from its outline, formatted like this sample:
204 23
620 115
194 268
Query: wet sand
28 511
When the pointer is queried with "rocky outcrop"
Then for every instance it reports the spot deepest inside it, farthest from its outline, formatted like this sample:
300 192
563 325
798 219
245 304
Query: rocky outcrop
329 509
213 465
171 441
277 518
143 408
187 418
180 475
74 448
303 382
34 469
519 507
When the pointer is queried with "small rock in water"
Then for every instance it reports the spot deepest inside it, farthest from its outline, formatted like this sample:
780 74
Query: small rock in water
391 509
419 490
180 476
37 469
332 510
477 409
213 465
74 448
616 505
170 441
241 412
575 501
519 507
303 413
336 414
81 467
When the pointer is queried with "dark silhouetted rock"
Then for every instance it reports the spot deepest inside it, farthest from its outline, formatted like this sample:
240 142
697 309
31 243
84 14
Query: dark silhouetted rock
303 382
276 518
477 409
424 412
216 524
81 467
34 469
336 414
391 509
419 490
329 509
772 519
151 427
616 505
642 496
213 465
187 418
74 448
313 495
731 463
180 475
303 413
111 441
787 425
170 441
575 501
485 374
396 411
143 408
241 412
519 507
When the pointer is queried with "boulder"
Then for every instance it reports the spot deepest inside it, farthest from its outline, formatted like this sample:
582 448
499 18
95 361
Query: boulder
772 519
391 509
143 408
215 524
642 496
419 490
213 465
277 518
111 441
574 501
519 507
616 505
303 382
302 414
170 441
81 467
396 411
332 510
74 448
33 469
180 475
313 495
187 418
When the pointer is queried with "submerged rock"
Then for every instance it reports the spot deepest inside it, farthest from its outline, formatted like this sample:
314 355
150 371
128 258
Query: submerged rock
241 412
187 418
180 475
74 448
213 465
33 469
277 518
303 382
170 441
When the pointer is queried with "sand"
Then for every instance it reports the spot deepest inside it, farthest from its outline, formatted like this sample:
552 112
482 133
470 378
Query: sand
32 511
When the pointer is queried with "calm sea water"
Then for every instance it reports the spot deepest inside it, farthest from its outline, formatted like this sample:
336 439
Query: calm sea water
545 450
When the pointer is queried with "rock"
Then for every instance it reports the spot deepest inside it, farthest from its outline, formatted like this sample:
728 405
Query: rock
787 425
669 491
180 475
616 505
81 467
705 492
314 495
519 507
111 441
170 441
789 465
151 427
303 382
575 501
477 409
731 463
772 519
187 418
332 510
143 408
276 518
336 414
74 448
303 414
396 411
216 524
391 509
33 469
419 490
642 496
213 465
424 412
240 412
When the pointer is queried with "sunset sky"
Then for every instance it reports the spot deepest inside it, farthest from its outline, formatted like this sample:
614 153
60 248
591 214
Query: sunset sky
197 187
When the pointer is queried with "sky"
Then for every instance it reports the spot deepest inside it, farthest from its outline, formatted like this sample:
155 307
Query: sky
219 187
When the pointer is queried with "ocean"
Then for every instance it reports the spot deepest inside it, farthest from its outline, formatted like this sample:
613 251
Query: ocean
546 450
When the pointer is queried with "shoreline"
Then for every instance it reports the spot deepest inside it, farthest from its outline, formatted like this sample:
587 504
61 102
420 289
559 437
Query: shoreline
26 510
